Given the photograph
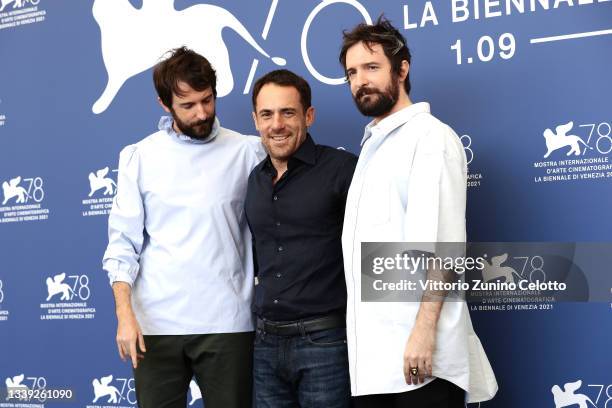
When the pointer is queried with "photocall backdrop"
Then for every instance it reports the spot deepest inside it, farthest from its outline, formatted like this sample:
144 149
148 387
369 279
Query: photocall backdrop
511 77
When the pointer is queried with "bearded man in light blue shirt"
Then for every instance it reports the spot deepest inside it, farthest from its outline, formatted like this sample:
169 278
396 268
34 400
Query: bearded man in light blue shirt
179 257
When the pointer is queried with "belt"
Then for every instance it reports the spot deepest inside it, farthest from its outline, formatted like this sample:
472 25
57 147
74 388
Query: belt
301 327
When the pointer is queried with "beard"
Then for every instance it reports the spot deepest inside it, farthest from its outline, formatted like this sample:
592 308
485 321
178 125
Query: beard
378 103
199 130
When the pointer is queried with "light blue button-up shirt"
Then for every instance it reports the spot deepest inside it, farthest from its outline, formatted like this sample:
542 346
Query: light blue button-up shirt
178 233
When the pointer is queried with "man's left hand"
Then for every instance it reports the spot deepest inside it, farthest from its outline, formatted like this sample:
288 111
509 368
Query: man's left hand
418 352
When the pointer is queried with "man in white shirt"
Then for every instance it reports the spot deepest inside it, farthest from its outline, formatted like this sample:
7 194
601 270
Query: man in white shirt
179 256
409 186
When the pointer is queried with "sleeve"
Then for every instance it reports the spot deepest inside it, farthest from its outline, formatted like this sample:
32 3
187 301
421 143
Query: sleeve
125 222
437 185
257 148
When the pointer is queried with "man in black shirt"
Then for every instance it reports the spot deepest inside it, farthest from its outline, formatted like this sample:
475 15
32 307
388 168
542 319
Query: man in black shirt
295 209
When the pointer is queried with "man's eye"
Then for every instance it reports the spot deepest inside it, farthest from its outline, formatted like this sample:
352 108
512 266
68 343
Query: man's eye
372 67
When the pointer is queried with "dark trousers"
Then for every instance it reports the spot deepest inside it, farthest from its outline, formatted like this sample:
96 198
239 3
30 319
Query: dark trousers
302 371
437 394
221 363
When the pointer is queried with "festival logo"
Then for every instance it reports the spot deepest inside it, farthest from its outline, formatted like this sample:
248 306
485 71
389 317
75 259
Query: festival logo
560 139
512 280
132 41
102 189
494 271
114 391
99 181
24 391
599 395
12 189
22 200
17 4
575 153
15 13
68 298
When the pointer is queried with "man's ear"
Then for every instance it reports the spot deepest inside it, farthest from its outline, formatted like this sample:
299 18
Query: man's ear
164 107
310 116
404 69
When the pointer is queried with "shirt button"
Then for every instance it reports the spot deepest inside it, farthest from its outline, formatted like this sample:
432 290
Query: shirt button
275 301
280 249
275 197
278 275
278 223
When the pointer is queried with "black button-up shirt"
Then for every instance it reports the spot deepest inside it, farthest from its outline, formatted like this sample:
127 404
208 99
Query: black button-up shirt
297 228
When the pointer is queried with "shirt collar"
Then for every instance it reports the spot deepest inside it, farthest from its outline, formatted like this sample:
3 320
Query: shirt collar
306 153
392 122
165 124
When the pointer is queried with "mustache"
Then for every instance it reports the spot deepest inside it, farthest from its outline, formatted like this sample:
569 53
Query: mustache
363 91
204 122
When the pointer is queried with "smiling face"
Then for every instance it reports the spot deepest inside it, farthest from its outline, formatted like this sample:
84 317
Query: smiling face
193 111
375 89
281 121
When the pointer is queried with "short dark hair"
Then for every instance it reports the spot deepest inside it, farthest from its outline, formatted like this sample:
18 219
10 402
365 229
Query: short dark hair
383 33
284 77
183 65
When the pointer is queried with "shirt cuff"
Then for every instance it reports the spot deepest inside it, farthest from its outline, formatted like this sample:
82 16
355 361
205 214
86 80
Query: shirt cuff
120 271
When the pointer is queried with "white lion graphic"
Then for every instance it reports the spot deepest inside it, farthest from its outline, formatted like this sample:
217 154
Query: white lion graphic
99 181
56 285
7 2
494 270
15 384
13 189
18 3
103 389
562 139
133 40
567 397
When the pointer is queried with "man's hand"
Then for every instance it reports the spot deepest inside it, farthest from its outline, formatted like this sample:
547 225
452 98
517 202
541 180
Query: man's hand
129 336
422 341
421 344
419 352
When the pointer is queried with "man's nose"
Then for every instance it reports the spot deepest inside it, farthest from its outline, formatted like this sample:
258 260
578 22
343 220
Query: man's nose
359 79
278 121
201 112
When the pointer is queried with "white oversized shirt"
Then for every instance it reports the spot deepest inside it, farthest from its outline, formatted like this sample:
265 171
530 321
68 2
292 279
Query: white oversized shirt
409 186
178 234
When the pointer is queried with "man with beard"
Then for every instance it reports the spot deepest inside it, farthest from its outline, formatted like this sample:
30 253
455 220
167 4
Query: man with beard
179 256
409 186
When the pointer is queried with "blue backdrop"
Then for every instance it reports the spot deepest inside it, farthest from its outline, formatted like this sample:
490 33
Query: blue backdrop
508 75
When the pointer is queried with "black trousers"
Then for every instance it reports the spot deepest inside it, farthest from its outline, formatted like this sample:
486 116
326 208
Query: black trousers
221 363
437 394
